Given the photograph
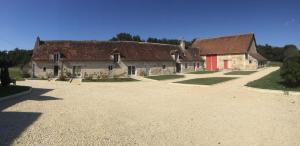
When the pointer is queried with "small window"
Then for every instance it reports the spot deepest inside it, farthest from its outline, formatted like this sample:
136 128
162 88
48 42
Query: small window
56 57
163 66
250 61
44 69
186 65
246 56
110 67
116 58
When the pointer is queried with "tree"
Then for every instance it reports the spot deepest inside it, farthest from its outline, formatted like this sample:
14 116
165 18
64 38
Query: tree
4 73
290 51
126 37
290 70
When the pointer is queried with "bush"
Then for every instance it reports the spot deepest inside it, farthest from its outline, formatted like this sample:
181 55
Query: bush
4 73
290 71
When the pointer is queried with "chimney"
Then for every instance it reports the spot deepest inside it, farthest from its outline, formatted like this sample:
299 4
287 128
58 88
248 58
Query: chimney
37 42
182 45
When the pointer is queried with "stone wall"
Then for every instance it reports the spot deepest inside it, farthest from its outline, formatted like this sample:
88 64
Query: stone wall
100 68
236 62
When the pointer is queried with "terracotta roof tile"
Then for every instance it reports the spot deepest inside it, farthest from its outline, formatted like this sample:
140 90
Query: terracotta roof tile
236 44
101 50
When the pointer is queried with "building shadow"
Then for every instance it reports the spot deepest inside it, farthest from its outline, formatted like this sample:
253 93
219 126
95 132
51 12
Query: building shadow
12 124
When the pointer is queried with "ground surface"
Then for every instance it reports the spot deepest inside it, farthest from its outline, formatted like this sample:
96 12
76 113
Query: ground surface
272 81
111 80
202 72
149 112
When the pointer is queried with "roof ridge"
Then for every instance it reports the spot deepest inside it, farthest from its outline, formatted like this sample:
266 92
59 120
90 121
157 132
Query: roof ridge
100 41
226 36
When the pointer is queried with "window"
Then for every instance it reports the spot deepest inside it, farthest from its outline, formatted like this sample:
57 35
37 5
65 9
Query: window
250 61
131 70
56 57
246 56
44 69
116 58
163 66
185 65
110 67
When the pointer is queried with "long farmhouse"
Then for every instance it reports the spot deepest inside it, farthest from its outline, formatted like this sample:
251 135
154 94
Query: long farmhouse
125 59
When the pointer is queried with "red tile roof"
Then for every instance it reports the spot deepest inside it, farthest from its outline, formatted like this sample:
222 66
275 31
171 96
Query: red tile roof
258 57
102 50
236 44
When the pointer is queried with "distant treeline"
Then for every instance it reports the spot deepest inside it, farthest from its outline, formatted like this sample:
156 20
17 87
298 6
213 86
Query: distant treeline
277 53
16 57
128 37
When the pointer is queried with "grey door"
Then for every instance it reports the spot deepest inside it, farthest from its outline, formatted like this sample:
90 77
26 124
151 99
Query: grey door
55 70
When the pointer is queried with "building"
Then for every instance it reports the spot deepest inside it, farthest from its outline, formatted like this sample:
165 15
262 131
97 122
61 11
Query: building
237 52
104 59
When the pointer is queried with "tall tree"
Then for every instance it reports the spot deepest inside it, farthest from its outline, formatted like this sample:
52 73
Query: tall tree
126 37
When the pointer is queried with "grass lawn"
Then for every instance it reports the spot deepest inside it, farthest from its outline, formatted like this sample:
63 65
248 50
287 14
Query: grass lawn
202 72
165 77
240 73
15 73
111 80
10 90
271 81
206 81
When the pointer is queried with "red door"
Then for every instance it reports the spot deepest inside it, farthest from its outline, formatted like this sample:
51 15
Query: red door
225 64
211 62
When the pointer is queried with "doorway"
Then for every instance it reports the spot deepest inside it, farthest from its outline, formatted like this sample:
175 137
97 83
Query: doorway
225 64
211 62
178 67
55 70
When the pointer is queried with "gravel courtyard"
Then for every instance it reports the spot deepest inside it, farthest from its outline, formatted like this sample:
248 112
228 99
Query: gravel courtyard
151 113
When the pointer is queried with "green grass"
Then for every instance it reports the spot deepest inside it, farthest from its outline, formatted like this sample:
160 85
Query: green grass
165 77
15 73
10 90
272 81
240 73
275 63
111 80
203 72
206 81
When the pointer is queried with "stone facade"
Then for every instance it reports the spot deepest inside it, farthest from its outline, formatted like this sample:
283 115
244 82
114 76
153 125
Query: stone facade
95 69
239 61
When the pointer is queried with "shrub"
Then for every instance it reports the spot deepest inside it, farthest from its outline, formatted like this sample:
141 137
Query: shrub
290 71
4 73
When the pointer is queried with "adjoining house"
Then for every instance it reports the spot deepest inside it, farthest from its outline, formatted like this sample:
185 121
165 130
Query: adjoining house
237 52
99 59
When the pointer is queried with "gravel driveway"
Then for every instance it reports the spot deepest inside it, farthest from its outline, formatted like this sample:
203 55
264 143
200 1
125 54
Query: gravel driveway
150 113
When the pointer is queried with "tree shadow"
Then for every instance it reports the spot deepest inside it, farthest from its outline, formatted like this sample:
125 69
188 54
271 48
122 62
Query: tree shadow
12 124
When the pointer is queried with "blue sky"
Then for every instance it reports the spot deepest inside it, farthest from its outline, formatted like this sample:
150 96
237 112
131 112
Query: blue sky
274 22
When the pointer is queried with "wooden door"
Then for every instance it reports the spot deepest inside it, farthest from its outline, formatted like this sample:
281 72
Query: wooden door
225 64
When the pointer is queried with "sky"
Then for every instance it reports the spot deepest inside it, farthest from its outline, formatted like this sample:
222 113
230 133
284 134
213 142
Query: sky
274 22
